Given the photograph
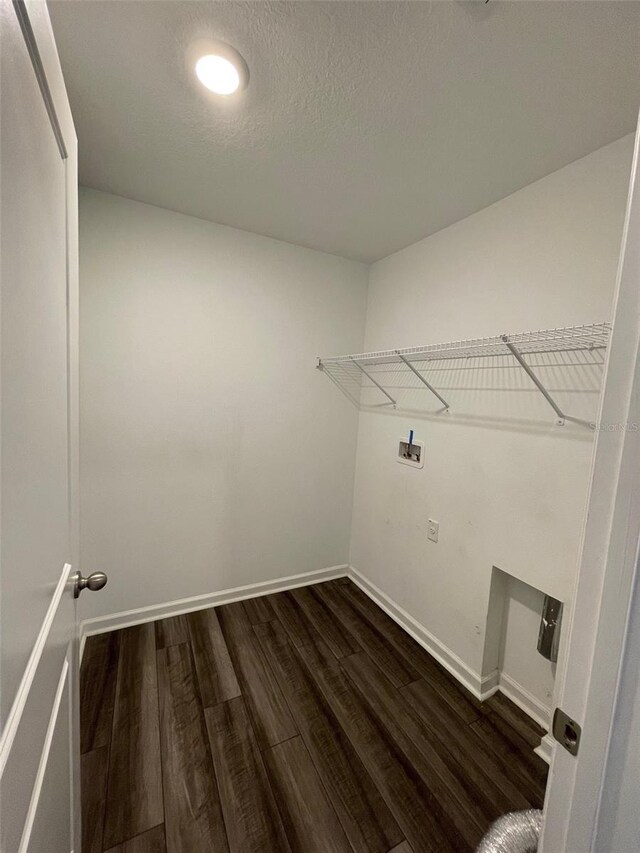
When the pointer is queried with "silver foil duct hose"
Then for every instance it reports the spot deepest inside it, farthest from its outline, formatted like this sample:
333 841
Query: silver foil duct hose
516 832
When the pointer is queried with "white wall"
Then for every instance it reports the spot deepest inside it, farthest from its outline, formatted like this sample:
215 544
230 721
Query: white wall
212 453
507 486
522 670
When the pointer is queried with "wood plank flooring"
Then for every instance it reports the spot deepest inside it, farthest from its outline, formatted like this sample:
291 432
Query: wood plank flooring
301 722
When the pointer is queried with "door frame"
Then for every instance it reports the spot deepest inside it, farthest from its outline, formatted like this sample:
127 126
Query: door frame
591 676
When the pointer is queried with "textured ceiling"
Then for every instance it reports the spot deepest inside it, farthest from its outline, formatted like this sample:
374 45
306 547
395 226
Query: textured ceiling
366 125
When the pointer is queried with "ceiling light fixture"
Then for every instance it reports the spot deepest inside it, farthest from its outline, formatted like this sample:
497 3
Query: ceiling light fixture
218 66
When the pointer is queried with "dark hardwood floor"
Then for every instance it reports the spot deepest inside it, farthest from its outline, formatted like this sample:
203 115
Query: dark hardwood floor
306 721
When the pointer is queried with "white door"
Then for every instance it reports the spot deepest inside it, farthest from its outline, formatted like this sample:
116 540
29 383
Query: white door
38 441
588 808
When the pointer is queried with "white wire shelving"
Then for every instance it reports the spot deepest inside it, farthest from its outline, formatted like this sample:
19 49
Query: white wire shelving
371 371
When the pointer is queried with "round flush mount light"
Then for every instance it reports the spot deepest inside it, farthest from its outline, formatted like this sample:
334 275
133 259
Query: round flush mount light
218 74
218 66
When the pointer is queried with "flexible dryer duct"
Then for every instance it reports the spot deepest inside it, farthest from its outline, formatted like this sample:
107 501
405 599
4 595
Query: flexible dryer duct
516 832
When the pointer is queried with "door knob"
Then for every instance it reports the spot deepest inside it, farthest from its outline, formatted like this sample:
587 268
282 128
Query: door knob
94 582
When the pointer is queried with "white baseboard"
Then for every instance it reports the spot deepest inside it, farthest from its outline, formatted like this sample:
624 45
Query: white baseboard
489 684
545 749
481 687
524 700
127 618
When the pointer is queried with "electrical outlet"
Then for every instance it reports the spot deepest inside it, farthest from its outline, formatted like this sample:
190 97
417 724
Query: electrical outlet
433 529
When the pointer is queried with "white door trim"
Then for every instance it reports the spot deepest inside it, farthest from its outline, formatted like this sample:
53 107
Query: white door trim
590 676
17 709
44 758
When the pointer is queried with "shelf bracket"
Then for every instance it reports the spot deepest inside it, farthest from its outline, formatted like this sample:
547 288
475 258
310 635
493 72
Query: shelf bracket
422 379
347 394
561 417
371 379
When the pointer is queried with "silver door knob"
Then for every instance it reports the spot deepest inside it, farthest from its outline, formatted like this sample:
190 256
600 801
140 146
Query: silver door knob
94 582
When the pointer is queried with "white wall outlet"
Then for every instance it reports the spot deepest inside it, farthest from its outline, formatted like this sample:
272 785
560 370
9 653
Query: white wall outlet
413 455
433 529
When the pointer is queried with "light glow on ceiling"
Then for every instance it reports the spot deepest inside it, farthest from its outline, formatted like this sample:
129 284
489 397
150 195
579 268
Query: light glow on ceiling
218 74
219 67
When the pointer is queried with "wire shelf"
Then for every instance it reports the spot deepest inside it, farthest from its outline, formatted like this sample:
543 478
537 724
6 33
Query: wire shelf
381 372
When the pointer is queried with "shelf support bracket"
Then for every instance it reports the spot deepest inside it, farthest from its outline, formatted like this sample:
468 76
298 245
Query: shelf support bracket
371 379
561 417
422 379
339 386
